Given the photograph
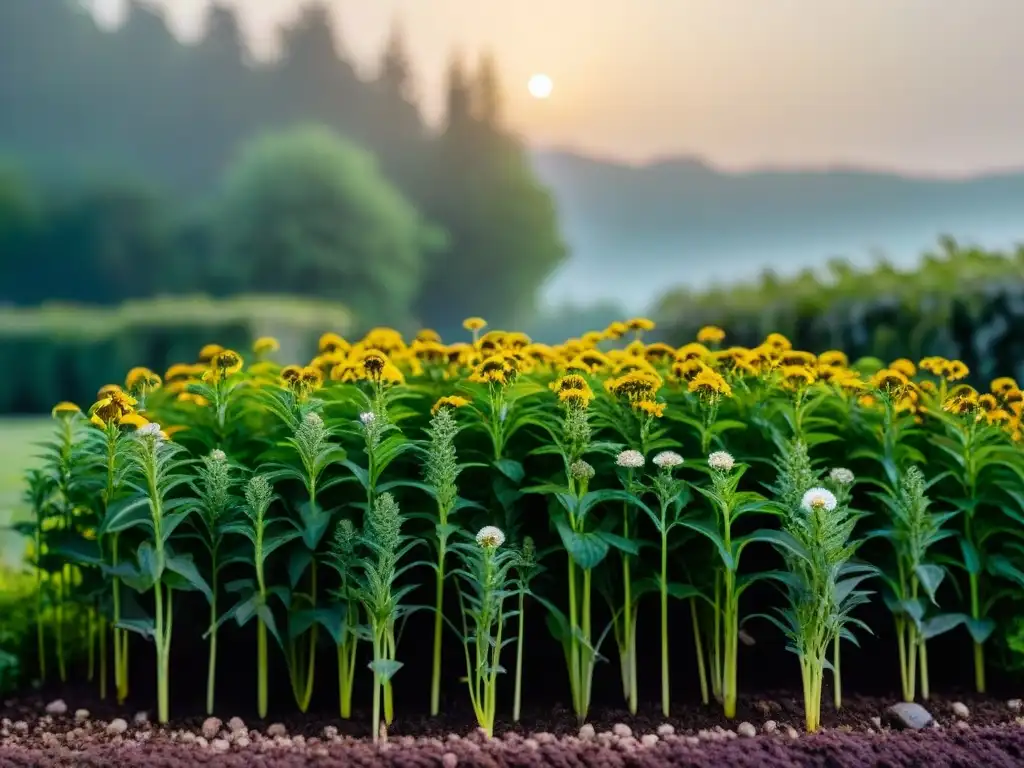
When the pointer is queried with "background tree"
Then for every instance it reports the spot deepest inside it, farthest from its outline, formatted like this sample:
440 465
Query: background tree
307 212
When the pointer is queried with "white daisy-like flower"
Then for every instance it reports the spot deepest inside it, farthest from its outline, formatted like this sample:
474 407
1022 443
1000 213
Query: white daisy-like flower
218 455
149 430
367 417
668 459
841 476
490 536
581 470
630 459
721 461
818 498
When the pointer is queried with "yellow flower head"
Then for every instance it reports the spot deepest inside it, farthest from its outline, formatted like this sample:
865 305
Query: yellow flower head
955 370
796 377
797 357
904 366
182 372
778 342
108 389
635 386
449 401
491 342
658 352
988 402
710 334
265 345
616 330
112 408
497 369
141 379
709 385
65 409
688 370
964 402
311 378
650 408
1003 385
430 351
692 351
590 361
133 420
934 365
374 362
291 375
1013 397
207 353
331 342
891 381
474 324
226 362
592 338
834 358
640 324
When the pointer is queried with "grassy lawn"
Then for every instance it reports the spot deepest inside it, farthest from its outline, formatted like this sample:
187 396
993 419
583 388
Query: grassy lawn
17 454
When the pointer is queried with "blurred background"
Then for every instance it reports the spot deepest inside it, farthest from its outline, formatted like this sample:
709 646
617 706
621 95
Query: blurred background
187 171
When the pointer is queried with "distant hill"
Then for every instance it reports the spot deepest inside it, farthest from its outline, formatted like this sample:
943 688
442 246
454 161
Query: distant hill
636 231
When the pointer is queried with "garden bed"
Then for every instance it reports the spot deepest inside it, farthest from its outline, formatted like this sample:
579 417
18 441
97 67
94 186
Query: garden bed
992 734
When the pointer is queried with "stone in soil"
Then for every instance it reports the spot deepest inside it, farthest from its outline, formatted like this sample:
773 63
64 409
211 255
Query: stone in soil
960 710
908 715
57 707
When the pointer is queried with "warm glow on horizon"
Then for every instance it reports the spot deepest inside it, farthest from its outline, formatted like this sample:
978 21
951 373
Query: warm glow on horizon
540 86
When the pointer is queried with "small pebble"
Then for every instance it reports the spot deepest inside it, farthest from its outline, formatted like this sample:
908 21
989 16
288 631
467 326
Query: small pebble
960 710
692 741
278 729
202 742
57 707
791 732
141 718
243 741
220 745
877 721
666 729
450 760
622 730
587 731
770 726
236 724
330 732
531 744
117 726
81 715
188 737
962 725
21 726
648 740
1014 705
211 727
545 738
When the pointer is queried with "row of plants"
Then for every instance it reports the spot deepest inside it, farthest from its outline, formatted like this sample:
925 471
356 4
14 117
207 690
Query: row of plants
592 481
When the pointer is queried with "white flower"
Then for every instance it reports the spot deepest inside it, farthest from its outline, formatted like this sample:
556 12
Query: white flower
841 476
490 537
630 459
149 430
367 417
668 459
218 455
818 498
722 461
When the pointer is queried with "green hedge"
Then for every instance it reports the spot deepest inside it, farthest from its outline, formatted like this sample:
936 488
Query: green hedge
961 303
58 352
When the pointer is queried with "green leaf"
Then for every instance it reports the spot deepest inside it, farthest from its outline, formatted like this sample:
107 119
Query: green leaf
980 629
78 549
972 560
126 513
511 469
298 561
620 543
707 529
278 540
184 566
930 577
938 625
142 626
315 520
385 668
586 549
264 613
778 539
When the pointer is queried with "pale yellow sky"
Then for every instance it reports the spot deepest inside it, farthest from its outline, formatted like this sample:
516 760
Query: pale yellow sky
922 85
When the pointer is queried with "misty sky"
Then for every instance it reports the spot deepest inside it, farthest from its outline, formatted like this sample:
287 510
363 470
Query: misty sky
928 86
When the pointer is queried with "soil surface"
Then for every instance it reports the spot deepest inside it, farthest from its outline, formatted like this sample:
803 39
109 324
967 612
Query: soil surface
767 732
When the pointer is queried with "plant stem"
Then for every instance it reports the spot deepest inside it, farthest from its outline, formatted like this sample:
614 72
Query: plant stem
517 698
698 643
837 680
103 656
61 591
390 652
901 645
40 626
376 687
979 650
435 680
627 653
211 674
665 696
574 650
923 649
161 656
261 667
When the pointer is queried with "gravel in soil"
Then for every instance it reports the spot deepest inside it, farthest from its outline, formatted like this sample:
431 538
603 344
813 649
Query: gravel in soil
968 731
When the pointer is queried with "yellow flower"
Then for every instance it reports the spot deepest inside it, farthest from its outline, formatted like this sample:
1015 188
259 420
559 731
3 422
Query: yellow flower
834 357
891 381
650 408
796 376
112 408
332 342
1003 384
797 357
496 369
590 361
373 363
141 379
988 402
171 431
640 324
692 351
210 351
311 379
180 372
592 338
227 362
778 342
688 370
133 420
955 370
616 330
474 324
658 351
264 345
635 386
710 385
961 403
449 401
710 334
430 351
107 389
64 409
904 366
291 375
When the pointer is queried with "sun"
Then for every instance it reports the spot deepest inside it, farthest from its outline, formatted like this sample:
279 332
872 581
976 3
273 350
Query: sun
540 86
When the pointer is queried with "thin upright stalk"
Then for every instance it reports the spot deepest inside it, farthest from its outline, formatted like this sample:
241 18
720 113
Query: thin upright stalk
837 680
102 632
261 667
923 650
211 673
665 694
517 697
698 643
435 680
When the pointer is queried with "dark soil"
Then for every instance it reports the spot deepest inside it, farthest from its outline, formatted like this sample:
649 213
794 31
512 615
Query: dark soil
992 736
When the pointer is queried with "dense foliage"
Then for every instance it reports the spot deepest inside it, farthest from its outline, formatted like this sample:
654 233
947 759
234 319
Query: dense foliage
961 302
125 207
326 503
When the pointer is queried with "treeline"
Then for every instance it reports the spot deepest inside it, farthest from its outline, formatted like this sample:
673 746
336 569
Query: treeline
139 165
960 302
